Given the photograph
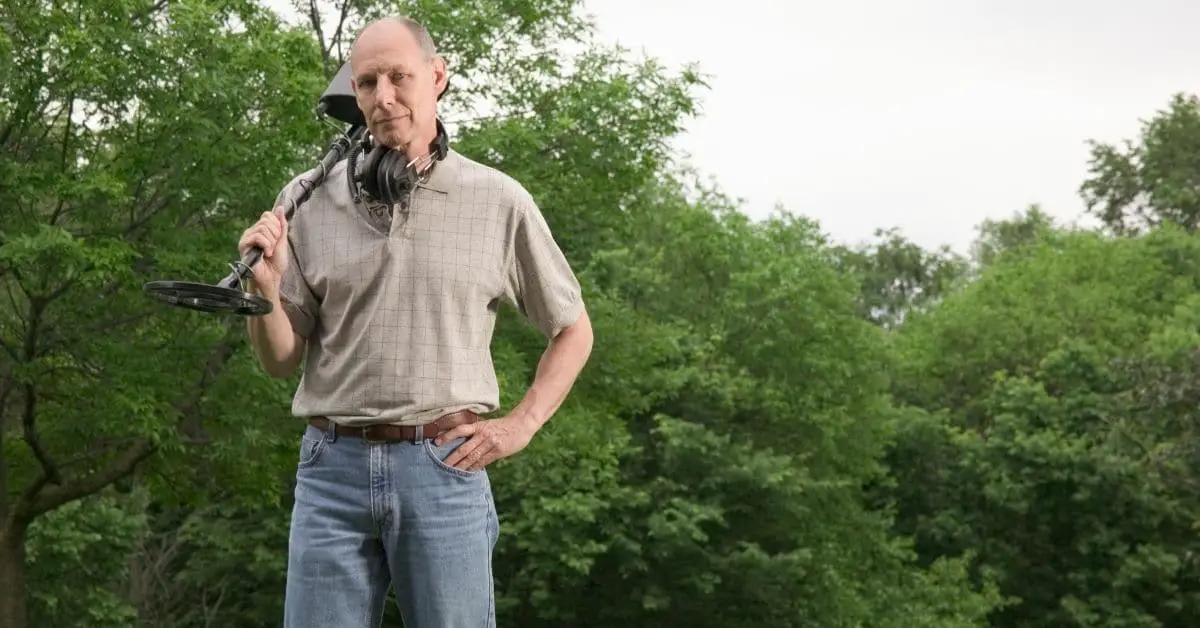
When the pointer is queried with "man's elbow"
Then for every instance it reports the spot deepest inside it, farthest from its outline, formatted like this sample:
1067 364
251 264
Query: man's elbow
577 336
281 370
287 365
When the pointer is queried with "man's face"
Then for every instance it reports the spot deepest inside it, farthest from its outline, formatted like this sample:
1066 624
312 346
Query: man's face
396 86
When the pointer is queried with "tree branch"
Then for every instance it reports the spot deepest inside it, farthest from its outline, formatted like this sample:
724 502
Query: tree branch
155 8
336 38
29 432
29 415
37 500
191 423
88 484
7 386
314 16
6 389
64 153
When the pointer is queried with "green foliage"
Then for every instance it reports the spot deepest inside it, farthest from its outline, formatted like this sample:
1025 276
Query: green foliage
1065 458
897 277
1074 285
85 542
1138 186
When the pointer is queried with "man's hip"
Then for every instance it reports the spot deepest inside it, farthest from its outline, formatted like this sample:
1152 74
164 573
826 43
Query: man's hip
386 433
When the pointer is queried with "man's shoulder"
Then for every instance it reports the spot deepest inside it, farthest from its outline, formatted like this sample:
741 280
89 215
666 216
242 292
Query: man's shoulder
475 176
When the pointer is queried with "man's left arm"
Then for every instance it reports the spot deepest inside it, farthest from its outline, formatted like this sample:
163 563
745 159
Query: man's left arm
557 370
545 290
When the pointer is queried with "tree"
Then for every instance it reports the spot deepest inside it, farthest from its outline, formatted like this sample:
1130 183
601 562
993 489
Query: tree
898 277
1013 236
121 123
1053 430
1155 181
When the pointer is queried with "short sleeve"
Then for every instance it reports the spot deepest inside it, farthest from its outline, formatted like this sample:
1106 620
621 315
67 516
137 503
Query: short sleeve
299 302
540 282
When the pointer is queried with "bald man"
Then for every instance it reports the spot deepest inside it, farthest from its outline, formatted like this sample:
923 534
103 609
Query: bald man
390 310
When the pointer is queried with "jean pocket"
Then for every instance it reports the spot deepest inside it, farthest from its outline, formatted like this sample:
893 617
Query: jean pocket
439 453
311 448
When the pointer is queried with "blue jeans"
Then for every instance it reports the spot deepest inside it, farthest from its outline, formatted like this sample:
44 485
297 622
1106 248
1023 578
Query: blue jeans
372 514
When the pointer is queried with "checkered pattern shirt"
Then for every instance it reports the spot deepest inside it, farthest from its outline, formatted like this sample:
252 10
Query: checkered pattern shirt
398 312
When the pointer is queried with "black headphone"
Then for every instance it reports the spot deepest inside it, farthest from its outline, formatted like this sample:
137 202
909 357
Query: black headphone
388 176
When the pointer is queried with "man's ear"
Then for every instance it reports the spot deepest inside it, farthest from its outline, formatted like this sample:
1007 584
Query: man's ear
441 76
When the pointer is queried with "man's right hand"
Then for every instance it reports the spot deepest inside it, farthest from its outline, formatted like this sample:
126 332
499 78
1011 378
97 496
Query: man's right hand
269 234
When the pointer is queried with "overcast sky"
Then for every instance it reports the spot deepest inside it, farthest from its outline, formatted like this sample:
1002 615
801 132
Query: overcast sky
930 115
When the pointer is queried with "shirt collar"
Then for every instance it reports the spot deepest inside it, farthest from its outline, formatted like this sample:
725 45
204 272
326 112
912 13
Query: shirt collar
444 175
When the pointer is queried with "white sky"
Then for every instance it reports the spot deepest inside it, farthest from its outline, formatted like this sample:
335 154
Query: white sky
929 115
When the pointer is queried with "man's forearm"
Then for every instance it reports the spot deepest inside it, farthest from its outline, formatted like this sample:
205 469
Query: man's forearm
278 348
557 370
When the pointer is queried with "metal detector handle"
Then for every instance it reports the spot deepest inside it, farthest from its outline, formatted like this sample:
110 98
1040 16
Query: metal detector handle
245 268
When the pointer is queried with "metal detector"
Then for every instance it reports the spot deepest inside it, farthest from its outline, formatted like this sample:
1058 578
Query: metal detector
229 295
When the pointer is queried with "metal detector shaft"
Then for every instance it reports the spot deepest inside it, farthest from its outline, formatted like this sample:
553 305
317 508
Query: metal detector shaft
307 184
228 295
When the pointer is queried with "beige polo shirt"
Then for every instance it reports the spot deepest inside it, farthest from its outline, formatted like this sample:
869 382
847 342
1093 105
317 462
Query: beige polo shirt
398 314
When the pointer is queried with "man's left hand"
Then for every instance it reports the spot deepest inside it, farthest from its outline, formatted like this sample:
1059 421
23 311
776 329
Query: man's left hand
487 441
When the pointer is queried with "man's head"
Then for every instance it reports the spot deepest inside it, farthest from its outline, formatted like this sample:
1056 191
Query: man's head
397 77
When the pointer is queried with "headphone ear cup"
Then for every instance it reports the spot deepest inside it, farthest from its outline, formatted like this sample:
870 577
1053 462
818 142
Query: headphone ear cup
385 176
394 178
368 172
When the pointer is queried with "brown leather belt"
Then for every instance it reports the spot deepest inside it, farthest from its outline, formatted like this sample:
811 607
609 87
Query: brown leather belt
400 433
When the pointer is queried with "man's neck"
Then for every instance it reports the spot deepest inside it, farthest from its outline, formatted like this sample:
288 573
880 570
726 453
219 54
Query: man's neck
421 146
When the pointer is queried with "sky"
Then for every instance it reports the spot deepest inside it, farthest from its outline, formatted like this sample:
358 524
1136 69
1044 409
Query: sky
926 115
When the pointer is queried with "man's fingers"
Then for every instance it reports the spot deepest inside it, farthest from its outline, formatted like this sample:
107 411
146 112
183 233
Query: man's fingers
478 457
461 431
272 227
482 462
466 453
259 239
461 452
485 449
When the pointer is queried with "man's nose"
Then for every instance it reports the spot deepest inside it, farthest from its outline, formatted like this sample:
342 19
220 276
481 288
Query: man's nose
385 94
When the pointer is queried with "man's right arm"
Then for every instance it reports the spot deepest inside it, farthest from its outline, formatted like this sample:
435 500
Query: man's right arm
278 347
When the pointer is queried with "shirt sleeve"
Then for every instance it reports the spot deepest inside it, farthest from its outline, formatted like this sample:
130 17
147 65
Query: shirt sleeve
540 282
298 300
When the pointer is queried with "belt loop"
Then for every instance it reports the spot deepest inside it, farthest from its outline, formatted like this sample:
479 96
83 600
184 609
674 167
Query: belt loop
418 434
330 430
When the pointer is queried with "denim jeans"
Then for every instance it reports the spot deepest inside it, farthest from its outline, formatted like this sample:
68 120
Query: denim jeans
372 514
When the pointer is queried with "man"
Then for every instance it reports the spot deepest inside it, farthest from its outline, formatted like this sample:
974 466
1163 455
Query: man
391 311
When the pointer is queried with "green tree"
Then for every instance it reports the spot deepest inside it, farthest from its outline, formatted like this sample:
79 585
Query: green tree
1012 236
1138 185
1050 435
766 415
123 158
898 276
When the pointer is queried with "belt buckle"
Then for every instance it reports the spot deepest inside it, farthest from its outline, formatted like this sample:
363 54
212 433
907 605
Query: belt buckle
366 434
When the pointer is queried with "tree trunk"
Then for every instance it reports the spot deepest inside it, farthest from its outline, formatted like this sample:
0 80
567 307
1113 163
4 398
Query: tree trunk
12 577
